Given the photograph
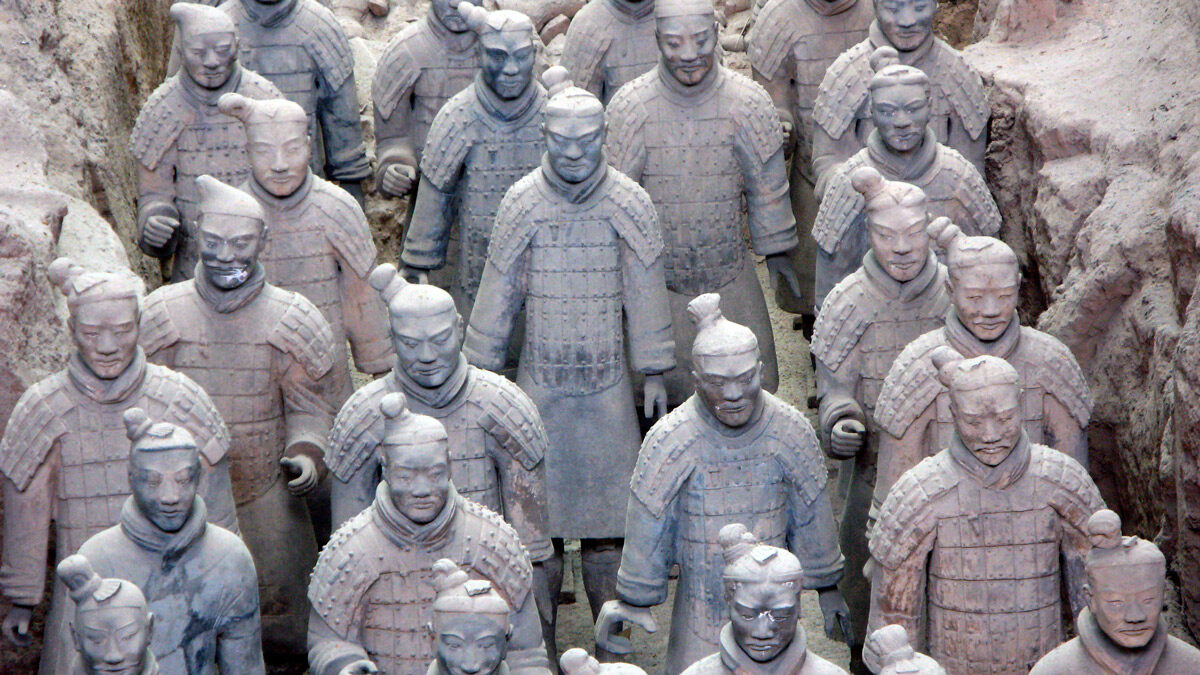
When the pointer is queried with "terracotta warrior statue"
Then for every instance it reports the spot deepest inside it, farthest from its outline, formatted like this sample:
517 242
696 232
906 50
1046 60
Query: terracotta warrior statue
706 144
902 147
300 47
320 244
973 545
372 600
792 44
609 43
888 652
198 578
64 453
577 243
265 356
112 624
763 634
842 120
913 406
471 624
484 139
576 661
180 134
693 477
896 295
1122 630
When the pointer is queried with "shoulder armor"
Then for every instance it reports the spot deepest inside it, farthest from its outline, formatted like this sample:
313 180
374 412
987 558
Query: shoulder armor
636 218
398 69
1073 493
35 424
757 117
663 463
256 86
800 455
157 330
345 570
626 114
908 513
843 90
972 190
510 417
841 207
449 139
848 312
963 88
164 116
346 226
911 385
327 44
588 39
357 430
1060 374
773 35
513 229
303 332
495 551
190 406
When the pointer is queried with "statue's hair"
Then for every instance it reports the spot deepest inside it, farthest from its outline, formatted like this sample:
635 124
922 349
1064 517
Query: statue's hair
564 99
576 661
481 21
218 197
89 591
716 335
147 436
191 14
80 285
889 72
749 561
404 427
959 374
882 194
458 593
1110 549
965 252
402 297
255 111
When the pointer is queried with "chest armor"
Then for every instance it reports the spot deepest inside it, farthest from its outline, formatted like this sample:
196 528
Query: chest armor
693 177
882 343
994 597
472 467
574 337
279 56
1032 409
813 54
397 608
634 52
501 155
439 81
93 480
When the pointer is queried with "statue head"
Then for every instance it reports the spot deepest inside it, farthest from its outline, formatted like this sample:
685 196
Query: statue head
686 31
573 127
726 364
1126 582
888 652
104 313
471 624
426 328
907 24
233 232
164 470
900 101
278 144
112 624
762 589
415 459
446 12
208 43
896 223
576 661
984 279
985 401
507 48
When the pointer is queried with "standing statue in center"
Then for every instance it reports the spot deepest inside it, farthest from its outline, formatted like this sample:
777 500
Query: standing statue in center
732 453
705 143
113 624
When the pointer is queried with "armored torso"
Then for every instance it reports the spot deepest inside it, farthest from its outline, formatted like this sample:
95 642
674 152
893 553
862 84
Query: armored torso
609 43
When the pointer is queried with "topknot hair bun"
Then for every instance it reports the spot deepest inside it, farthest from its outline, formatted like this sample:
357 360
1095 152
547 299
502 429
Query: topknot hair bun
394 406
387 280
705 310
735 539
476 17
447 574
233 103
576 661
868 181
79 576
137 423
63 272
1104 529
556 79
883 57
943 232
945 359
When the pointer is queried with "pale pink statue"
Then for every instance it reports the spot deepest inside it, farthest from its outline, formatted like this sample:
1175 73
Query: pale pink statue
112 624
888 651
576 661
471 624
1122 630
609 43
976 547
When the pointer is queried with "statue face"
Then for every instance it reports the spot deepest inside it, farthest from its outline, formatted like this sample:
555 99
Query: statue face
164 485
1127 601
985 298
575 146
688 46
113 641
506 62
471 645
730 386
105 333
446 12
418 478
209 58
229 248
899 241
764 618
279 155
988 420
901 113
906 23
427 346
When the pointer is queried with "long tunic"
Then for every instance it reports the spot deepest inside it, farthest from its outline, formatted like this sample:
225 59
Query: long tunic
1095 654
609 43
693 477
794 660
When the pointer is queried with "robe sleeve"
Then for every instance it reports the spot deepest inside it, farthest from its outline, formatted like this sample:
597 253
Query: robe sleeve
648 554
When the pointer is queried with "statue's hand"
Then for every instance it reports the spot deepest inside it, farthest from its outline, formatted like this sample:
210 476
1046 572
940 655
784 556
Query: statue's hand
158 230
654 397
613 615
16 625
398 180
415 275
835 614
846 438
788 130
305 471
360 667
779 266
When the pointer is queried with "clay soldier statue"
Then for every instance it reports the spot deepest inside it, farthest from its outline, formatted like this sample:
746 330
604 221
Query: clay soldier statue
484 139
576 661
370 592
842 119
1121 631
198 578
64 453
112 624
792 43
320 245
610 42
732 453
578 244
470 624
265 356
913 407
763 634
705 142
973 544
888 652
902 147
300 47
180 135
896 295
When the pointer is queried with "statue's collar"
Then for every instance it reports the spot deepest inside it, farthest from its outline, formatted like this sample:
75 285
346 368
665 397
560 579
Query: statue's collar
269 15
100 390
1115 659
789 662
905 168
903 291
